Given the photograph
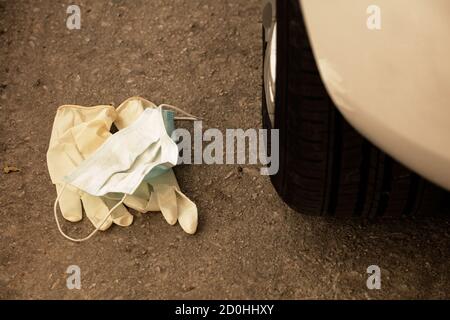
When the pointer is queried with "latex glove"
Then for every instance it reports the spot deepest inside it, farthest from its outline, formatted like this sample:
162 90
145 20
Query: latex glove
161 193
77 133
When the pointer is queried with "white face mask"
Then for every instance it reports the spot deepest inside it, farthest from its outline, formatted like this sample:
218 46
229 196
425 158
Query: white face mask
121 164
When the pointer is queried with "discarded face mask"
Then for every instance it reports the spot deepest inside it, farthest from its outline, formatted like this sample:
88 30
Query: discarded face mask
161 191
141 152
126 158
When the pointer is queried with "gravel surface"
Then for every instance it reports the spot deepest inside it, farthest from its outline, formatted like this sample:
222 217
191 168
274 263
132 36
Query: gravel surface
203 56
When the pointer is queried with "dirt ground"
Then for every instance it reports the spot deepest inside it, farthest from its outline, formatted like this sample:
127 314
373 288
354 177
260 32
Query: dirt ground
203 56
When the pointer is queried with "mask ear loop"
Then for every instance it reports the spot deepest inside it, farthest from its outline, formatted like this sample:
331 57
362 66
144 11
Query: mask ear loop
189 117
55 211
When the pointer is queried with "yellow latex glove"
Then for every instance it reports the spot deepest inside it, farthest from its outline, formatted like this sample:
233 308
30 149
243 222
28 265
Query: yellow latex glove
161 193
77 133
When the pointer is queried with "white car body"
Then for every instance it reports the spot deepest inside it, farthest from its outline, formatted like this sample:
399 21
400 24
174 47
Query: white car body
392 84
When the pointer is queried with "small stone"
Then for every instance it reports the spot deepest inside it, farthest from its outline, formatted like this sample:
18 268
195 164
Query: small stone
54 285
9 169
228 176
187 288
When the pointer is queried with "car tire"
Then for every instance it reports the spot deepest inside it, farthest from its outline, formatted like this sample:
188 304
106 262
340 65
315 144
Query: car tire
326 166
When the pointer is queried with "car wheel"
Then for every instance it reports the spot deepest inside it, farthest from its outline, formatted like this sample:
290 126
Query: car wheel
326 167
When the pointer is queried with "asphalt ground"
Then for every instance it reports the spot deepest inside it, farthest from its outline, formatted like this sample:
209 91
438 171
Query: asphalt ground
203 56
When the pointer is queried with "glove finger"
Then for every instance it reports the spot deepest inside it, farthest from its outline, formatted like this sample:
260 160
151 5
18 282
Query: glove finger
96 210
167 203
153 205
167 177
187 213
130 110
138 201
70 203
120 215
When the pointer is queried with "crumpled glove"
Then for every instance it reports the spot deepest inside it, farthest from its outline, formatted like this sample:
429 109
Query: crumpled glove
162 192
77 133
